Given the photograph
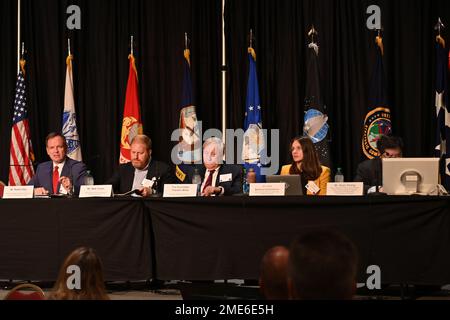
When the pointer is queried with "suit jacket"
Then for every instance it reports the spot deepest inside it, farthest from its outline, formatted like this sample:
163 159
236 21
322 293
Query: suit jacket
122 180
321 182
230 187
73 169
369 172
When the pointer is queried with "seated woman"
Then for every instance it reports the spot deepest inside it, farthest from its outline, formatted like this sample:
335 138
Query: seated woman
306 164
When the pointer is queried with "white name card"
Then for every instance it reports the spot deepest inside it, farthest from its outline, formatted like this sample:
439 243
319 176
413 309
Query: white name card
100 191
179 190
18 192
267 189
345 188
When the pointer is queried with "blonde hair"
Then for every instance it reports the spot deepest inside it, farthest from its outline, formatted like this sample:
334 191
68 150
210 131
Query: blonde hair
142 138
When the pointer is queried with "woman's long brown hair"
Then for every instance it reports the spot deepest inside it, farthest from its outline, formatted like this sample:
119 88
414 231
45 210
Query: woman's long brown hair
92 282
310 165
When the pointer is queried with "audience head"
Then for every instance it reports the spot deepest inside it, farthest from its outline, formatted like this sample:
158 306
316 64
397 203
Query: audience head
92 286
141 151
213 149
305 158
56 146
390 147
322 266
273 277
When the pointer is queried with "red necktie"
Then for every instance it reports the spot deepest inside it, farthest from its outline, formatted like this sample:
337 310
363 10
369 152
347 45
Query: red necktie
55 180
209 180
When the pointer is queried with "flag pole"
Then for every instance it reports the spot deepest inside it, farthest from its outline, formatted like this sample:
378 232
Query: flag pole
131 45
438 27
18 36
312 32
224 77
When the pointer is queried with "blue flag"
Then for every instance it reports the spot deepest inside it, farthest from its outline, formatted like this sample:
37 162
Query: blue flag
442 149
254 142
378 118
189 146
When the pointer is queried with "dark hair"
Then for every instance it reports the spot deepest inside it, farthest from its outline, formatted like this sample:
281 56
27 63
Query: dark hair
322 265
273 274
54 135
92 283
389 142
310 166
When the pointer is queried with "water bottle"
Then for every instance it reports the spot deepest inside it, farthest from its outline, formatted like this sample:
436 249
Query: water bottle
339 177
197 179
245 185
88 179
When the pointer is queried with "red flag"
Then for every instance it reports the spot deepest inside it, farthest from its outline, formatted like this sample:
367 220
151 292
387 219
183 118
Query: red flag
131 124
21 152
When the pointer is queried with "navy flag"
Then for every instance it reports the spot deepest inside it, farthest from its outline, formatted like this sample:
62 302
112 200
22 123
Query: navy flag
254 141
378 118
189 143
442 149
315 122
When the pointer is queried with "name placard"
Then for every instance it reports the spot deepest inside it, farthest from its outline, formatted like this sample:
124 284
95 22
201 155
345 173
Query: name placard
100 191
179 190
345 188
18 192
267 189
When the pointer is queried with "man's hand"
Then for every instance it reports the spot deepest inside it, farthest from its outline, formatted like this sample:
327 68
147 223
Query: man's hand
40 192
210 190
145 192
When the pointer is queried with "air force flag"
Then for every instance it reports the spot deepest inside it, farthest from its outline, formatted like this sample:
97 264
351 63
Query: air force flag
254 142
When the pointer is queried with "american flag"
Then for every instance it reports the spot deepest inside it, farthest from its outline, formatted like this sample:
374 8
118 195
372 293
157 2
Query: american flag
21 152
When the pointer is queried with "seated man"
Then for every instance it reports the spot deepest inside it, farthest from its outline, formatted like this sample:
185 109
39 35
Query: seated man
322 266
131 175
217 178
370 171
60 175
273 277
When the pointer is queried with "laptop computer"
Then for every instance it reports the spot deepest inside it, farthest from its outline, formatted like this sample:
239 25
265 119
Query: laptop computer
293 184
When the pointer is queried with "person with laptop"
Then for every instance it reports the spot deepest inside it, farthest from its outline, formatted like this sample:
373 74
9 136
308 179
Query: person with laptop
306 164
370 171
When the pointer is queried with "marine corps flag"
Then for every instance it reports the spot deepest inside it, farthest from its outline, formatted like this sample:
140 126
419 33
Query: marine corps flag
378 119
131 124
315 122
442 148
254 142
189 146
69 124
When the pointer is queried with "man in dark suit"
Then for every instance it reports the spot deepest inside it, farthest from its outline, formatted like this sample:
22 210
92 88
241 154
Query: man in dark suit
217 178
60 175
370 171
141 171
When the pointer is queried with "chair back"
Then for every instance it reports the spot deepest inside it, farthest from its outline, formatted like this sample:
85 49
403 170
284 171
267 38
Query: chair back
33 292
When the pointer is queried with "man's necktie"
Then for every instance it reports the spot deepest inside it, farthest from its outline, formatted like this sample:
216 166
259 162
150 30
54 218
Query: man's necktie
209 180
55 180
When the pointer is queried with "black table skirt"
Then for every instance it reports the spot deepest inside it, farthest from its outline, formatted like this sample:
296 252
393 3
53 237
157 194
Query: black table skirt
223 237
